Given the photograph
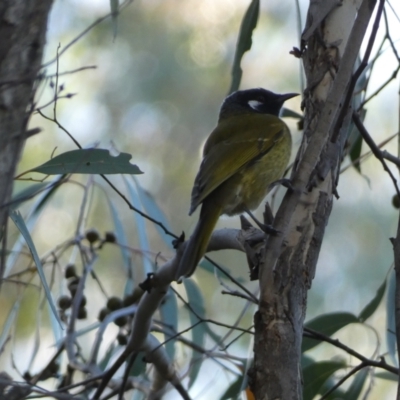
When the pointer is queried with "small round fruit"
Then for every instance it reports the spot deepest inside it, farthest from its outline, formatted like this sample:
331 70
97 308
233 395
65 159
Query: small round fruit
64 302
92 235
114 303
70 271
121 321
103 313
110 237
122 339
82 313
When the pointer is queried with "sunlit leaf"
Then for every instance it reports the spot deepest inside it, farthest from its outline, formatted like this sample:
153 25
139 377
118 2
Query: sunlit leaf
20 224
315 375
244 42
88 161
327 324
371 307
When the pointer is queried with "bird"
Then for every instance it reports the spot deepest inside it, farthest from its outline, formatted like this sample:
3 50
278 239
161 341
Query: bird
246 153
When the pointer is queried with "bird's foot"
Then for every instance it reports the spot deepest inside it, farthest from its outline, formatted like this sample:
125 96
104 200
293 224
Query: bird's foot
287 183
268 229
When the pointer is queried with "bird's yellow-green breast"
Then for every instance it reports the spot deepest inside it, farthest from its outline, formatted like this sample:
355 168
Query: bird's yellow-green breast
243 156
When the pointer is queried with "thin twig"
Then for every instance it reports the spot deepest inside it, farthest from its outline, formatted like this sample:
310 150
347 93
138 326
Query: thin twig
375 149
335 342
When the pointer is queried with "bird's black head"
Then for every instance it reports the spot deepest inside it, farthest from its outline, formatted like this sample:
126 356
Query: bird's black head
258 100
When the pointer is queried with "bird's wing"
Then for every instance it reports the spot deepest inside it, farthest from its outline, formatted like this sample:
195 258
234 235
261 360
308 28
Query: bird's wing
225 158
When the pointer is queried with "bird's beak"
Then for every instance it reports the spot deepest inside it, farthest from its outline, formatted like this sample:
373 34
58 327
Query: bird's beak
287 96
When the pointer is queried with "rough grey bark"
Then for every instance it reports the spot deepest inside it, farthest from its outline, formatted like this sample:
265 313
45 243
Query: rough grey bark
23 34
291 257
396 250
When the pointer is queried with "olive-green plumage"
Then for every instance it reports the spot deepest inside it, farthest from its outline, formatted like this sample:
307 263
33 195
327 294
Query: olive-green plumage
247 151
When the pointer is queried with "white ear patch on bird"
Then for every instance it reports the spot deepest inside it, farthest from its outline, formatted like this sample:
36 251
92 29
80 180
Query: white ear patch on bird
254 104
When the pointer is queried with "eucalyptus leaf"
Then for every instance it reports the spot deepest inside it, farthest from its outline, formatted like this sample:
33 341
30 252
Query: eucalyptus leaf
114 6
20 224
389 376
354 391
139 365
315 375
196 301
244 42
88 161
27 194
152 208
327 324
233 391
141 229
391 319
169 315
371 307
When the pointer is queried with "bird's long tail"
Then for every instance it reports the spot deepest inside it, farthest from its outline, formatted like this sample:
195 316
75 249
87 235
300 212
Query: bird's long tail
198 242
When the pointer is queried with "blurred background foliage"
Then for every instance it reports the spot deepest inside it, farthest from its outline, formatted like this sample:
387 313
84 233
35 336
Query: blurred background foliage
155 93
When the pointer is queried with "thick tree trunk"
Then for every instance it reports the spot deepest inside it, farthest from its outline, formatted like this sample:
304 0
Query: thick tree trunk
332 39
23 34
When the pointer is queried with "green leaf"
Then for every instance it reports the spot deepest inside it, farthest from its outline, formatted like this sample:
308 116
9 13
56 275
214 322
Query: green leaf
107 357
153 209
327 324
389 376
27 194
336 394
169 316
354 391
315 375
148 266
20 224
114 6
88 161
355 142
233 390
195 299
122 240
139 366
31 220
5 333
371 307
391 320
244 43
306 361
